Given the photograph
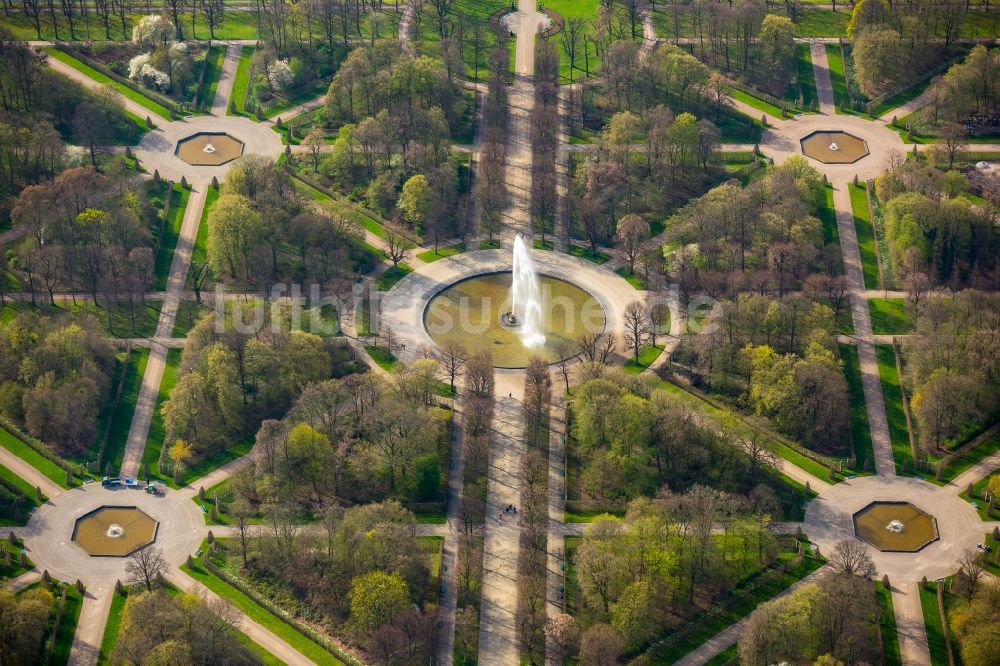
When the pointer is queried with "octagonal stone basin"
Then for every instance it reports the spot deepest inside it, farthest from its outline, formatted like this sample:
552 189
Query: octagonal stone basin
209 149
918 529
114 531
834 147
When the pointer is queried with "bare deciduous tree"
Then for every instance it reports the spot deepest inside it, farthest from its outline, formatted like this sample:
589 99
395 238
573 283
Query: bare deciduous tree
851 557
636 328
145 566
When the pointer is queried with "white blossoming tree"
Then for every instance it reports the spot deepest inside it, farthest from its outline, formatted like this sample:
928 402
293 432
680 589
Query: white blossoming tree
140 70
152 30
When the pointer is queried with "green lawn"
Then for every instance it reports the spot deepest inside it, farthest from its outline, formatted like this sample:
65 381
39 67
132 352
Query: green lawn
122 419
887 625
126 92
734 423
755 102
391 276
889 316
632 278
822 23
427 256
213 66
828 218
589 516
865 233
111 630
279 627
241 82
935 629
157 430
647 355
238 24
982 507
188 314
900 98
28 490
727 657
585 253
171 232
970 458
51 470
199 253
892 397
734 612
203 467
120 324
836 64
860 431
63 640
382 357
284 104
807 75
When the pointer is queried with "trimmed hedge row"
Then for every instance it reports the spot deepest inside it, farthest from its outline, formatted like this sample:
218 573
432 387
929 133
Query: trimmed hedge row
41 448
160 99
274 610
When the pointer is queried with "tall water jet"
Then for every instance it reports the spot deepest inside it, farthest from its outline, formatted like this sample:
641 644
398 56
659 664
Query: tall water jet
526 299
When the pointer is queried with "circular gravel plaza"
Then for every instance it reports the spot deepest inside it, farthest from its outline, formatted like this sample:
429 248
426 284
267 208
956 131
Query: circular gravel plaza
114 531
209 149
785 140
178 149
927 545
834 147
68 536
597 291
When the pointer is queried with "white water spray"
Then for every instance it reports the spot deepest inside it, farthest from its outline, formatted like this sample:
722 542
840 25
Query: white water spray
526 300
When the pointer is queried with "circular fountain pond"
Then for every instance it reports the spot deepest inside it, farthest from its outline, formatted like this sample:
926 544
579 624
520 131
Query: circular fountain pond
209 149
476 312
895 526
114 531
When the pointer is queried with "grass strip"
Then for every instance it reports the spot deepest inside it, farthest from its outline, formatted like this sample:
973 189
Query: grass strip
121 422
932 623
46 467
892 398
213 63
732 422
807 75
111 629
427 256
860 431
866 234
889 316
241 82
836 66
755 102
647 355
62 642
262 616
171 232
157 429
887 626
770 588
103 79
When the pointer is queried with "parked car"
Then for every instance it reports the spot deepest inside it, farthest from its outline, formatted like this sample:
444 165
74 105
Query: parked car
130 482
111 481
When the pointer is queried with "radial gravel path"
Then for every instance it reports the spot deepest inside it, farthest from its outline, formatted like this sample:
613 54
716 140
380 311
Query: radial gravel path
498 639
146 403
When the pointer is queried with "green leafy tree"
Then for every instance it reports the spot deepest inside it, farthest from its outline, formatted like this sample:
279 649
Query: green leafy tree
415 200
377 597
